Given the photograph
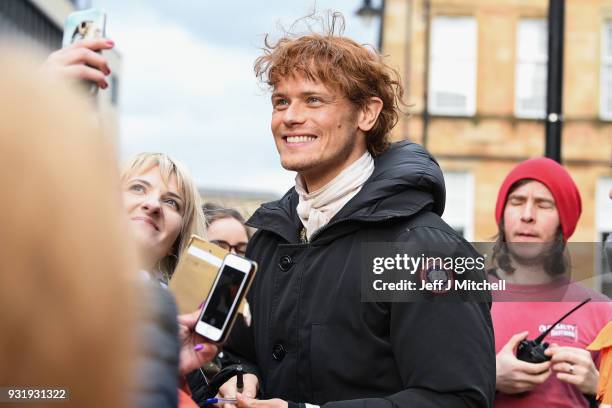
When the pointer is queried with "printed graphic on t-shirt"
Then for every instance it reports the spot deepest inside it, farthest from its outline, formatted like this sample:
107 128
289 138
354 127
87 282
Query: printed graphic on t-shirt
561 330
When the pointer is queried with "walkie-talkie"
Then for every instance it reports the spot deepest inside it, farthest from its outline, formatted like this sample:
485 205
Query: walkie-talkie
532 351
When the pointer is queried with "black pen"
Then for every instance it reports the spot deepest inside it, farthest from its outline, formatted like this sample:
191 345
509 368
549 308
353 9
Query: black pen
239 379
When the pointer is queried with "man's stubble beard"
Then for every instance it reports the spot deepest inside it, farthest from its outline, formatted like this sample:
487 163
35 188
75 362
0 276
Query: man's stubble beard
538 259
306 167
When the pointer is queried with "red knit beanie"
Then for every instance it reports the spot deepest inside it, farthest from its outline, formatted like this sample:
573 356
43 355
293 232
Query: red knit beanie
556 178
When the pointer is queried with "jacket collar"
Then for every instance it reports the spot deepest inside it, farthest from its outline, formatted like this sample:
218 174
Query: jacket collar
406 179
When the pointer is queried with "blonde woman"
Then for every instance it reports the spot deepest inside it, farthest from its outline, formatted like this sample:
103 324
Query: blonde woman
163 208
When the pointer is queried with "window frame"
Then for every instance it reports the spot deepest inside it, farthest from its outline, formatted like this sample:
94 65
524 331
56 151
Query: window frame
465 220
440 57
605 62
537 62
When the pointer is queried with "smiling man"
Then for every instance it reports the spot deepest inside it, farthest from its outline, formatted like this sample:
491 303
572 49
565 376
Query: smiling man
334 103
538 207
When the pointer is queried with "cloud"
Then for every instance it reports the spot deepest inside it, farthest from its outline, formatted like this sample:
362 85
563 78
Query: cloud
171 59
197 102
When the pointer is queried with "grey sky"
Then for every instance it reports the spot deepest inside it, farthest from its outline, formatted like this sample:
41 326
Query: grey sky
188 87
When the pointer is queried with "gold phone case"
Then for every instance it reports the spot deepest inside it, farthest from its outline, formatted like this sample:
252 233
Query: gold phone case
195 274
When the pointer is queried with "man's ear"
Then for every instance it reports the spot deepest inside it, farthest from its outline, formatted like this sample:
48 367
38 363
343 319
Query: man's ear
369 114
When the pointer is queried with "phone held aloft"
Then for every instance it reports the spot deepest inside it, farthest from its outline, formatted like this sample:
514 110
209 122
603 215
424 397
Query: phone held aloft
221 307
84 25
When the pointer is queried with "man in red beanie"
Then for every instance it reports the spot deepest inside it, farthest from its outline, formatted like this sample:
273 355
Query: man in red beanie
538 207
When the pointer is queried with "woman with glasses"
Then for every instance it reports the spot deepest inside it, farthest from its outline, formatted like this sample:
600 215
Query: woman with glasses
226 228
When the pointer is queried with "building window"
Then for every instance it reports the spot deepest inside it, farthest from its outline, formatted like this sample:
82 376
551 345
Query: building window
459 211
22 19
603 209
452 61
605 95
531 62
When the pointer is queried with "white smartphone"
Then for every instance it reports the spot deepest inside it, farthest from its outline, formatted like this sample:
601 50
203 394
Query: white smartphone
221 307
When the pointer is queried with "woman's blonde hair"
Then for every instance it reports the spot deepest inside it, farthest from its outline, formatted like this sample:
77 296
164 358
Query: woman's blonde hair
193 217
65 297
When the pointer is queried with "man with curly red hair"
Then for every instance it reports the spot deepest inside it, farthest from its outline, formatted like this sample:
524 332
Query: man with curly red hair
334 103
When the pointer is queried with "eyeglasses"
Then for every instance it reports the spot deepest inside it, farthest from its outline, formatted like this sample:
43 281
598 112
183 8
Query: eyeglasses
239 248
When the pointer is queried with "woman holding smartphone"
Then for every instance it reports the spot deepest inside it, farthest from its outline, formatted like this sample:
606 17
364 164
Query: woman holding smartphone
160 197
163 208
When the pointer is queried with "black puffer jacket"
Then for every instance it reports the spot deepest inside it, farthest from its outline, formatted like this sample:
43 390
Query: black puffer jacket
315 341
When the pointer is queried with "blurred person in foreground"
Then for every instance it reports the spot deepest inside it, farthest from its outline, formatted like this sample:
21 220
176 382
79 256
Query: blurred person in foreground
163 210
65 309
538 207
334 103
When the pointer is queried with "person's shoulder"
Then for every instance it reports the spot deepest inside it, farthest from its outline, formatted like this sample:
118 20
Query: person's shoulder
427 221
284 206
160 306
600 306
579 291
428 226
261 243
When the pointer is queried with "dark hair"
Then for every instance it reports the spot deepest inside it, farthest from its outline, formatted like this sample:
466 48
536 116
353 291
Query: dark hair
357 71
556 260
214 212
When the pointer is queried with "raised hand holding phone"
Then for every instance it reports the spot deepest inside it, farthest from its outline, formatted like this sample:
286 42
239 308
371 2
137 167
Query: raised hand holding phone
84 25
80 56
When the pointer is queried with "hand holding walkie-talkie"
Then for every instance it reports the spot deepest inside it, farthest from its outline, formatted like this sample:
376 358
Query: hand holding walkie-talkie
532 351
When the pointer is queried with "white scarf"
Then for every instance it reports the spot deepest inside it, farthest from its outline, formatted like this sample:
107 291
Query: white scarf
317 208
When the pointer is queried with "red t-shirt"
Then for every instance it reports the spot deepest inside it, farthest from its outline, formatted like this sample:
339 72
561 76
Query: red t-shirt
577 330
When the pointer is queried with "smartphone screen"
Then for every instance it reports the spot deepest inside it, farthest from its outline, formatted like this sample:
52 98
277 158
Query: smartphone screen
230 287
223 297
